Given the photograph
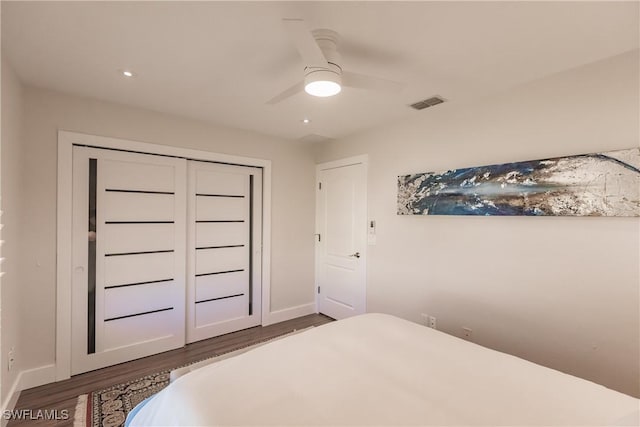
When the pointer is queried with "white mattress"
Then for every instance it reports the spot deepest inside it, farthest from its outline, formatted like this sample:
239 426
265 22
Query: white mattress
377 369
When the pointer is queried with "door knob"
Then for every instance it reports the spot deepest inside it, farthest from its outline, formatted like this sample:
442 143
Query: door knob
356 255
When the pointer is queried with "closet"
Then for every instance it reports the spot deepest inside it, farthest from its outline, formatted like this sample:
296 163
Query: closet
163 253
223 234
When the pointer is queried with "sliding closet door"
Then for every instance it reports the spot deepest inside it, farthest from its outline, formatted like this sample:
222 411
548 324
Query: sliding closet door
224 245
128 287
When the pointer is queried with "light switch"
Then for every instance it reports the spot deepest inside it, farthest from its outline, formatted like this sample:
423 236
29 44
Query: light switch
371 234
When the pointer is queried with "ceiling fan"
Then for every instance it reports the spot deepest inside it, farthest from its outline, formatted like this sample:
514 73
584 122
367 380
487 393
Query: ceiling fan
323 73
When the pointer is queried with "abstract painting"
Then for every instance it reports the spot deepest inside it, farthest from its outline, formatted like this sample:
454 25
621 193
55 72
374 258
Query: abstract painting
599 184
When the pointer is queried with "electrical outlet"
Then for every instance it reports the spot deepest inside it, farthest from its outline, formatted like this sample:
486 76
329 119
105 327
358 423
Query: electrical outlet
425 319
432 322
466 333
11 360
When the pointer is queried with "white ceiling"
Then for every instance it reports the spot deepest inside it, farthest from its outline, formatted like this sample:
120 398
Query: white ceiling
221 61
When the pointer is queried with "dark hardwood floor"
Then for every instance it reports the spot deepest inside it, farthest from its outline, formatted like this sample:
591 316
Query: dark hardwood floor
64 394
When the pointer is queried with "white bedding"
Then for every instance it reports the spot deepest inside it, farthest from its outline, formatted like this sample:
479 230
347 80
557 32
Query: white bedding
377 369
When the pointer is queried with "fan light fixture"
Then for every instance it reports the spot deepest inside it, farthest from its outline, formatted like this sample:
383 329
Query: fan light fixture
322 83
323 74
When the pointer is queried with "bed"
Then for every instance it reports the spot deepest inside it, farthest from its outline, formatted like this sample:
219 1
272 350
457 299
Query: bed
377 369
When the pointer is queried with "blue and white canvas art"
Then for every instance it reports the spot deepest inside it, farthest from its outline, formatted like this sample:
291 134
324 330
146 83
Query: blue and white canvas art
599 184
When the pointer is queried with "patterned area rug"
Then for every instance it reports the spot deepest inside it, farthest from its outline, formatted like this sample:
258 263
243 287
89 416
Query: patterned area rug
109 407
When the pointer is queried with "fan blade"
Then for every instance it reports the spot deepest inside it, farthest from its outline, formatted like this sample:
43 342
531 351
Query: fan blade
298 87
305 43
362 81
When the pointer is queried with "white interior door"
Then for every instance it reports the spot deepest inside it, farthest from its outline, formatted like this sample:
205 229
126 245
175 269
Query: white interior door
341 221
128 283
225 244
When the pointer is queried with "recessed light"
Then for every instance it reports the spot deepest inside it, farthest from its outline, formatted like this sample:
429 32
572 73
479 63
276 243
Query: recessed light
127 73
305 121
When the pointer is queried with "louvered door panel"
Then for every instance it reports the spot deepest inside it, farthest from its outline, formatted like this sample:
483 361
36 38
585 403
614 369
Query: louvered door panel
220 234
123 238
137 268
223 275
145 208
221 259
220 285
125 300
129 249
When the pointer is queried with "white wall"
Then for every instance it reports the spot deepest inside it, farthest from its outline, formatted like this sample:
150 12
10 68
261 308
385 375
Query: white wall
46 112
11 203
560 291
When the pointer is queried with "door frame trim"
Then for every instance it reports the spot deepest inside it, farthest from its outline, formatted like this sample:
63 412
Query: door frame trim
66 141
362 159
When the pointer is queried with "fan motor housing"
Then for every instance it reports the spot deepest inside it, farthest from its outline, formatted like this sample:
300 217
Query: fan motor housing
328 41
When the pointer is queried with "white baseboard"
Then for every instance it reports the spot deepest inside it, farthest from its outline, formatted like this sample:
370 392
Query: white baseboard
290 313
37 376
10 402
26 379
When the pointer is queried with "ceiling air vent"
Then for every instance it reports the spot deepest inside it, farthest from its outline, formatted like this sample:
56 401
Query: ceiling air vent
421 105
